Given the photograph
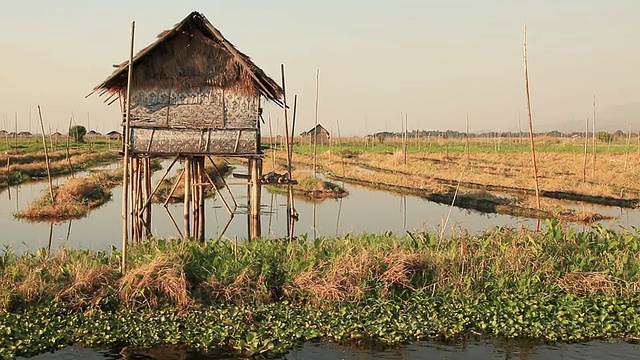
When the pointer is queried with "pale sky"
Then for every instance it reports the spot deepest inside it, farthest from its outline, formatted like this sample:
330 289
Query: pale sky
435 60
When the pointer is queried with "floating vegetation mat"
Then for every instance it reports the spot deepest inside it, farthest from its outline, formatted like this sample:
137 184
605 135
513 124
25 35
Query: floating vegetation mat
264 296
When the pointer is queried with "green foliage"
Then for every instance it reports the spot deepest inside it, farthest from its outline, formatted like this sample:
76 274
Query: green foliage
77 133
604 136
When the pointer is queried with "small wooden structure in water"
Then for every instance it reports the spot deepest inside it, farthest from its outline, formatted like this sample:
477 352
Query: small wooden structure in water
193 96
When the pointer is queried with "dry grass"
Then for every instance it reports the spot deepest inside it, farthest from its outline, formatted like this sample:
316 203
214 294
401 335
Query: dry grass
152 283
73 199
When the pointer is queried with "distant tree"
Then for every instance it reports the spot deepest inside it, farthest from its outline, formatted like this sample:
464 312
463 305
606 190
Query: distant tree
381 138
77 133
603 136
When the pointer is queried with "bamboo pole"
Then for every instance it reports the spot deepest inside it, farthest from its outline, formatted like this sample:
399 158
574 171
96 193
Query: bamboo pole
67 150
293 217
467 141
271 144
586 144
125 172
187 197
201 179
593 172
315 129
533 148
286 135
46 157
406 137
626 158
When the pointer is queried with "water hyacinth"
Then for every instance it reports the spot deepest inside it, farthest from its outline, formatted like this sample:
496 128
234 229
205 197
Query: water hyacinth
264 296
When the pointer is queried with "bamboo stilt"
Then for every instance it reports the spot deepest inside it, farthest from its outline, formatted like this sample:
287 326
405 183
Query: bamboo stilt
201 215
255 167
125 175
187 197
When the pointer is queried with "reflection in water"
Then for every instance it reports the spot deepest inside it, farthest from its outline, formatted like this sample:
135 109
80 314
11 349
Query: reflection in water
496 349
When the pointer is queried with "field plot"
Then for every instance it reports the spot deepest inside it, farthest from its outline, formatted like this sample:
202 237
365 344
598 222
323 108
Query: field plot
494 176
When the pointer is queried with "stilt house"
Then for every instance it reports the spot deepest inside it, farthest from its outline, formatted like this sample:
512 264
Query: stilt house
318 134
193 94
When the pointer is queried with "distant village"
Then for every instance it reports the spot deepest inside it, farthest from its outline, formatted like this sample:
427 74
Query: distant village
92 134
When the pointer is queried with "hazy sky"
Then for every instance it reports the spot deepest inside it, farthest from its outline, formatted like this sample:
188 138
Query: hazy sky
435 60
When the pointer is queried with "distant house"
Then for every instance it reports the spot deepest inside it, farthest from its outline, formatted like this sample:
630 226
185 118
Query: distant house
56 135
114 135
3 133
93 134
318 134
24 134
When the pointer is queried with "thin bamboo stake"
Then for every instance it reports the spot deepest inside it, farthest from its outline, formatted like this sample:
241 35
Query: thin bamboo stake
286 135
593 172
586 144
315 129
533 148
626 158
187 197
271 144
46 157
125 167
406 137
467 141
293 205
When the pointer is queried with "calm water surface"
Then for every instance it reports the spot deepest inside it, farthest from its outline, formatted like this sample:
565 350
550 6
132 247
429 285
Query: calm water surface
479 350
364 210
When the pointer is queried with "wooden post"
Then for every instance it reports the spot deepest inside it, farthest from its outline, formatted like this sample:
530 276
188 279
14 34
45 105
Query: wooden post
315 129
533 147
286 135
187 197
626 157
125 172
467 141
46 157
255 167
201 214
593 172
586 143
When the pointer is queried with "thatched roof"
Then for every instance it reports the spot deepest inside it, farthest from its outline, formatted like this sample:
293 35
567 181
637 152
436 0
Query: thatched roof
318 129
192 54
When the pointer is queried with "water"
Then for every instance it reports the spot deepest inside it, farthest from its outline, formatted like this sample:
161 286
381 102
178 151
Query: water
364 210
479 349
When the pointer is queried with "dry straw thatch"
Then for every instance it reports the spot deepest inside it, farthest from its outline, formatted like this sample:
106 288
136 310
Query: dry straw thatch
192 54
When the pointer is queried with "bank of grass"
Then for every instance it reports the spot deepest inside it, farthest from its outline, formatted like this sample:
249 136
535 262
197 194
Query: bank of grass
73 199
32 166
264 296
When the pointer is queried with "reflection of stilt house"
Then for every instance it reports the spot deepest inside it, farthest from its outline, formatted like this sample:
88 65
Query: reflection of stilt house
193 95
318 134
